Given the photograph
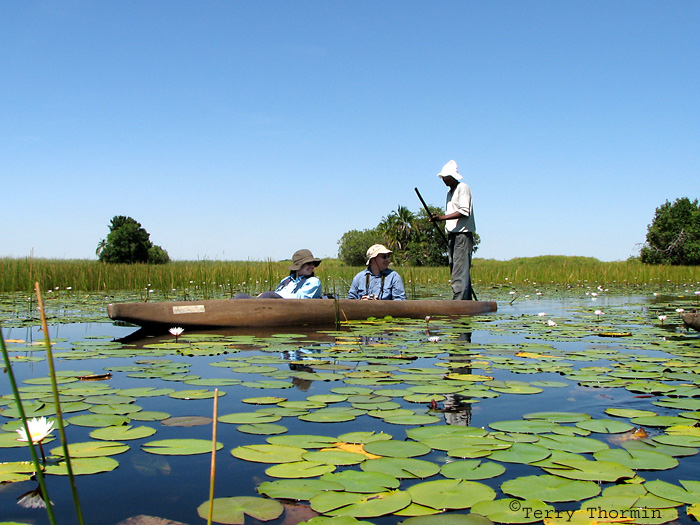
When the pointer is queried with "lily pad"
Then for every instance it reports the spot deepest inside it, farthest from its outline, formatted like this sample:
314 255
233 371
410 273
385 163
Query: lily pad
269 453
360 505
550 488
397 449
450 494
402 468
179 447
233 511
298 489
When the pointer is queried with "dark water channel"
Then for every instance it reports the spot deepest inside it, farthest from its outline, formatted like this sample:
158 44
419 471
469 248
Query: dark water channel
373 358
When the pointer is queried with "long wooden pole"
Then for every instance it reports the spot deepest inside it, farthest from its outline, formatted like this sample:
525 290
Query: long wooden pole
430 216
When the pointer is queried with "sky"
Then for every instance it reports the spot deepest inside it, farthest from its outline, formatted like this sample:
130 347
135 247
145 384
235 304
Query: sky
245 130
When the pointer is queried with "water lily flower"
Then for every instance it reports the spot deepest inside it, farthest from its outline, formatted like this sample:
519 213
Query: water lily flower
39 429
662 318
541 314
551 323
598 313
434 338
594 295
177 330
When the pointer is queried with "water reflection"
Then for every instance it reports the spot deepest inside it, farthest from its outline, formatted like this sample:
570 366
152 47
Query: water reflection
34 499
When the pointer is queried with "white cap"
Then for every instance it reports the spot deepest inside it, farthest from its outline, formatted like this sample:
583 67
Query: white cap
375 250
450 170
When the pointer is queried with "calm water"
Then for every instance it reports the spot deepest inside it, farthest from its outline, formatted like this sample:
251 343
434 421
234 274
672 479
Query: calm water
172 487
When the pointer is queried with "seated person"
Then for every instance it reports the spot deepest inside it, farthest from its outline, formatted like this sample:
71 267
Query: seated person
300 283
377 281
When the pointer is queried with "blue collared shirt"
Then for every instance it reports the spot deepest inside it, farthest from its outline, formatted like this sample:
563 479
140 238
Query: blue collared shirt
299 288
390 288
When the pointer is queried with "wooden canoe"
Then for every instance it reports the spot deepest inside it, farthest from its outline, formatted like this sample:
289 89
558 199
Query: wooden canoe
283 312
691 320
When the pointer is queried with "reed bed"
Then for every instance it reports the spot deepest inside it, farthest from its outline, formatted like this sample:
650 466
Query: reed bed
187 279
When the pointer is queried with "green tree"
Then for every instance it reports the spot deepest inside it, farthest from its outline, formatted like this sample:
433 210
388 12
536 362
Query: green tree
353 245
673 237
128 242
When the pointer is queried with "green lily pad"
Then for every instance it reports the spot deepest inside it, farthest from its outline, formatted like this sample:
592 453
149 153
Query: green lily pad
233 511
521 453
266 400
397 449
299 469
269 453
124 433
605 426
472 470
450 493
363 437
262 429
298 489
305 441
333 457
179 447
401 468
360 505
241 418
361 482
585 470
672 492
637 459
98 420
83 466
550 488
92 449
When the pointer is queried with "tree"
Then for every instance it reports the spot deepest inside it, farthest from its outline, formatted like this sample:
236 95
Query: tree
128 242
353 245
673 237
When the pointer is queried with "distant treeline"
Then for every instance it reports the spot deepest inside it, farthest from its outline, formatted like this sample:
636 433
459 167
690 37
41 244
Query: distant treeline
215 278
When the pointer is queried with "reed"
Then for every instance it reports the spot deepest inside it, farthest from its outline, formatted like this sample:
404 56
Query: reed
208 279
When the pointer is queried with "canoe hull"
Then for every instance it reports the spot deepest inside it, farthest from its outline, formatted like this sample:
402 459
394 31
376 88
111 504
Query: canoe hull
283 312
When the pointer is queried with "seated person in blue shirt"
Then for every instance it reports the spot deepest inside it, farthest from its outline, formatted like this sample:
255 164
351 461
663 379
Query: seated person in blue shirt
300 283
377 281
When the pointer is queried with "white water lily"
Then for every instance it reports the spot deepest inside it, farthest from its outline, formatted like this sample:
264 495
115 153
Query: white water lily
176 331
541 314
39 429
598 313
680 310
551 323
434 338
662 318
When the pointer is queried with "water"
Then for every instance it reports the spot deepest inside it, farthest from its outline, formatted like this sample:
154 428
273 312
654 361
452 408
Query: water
172 487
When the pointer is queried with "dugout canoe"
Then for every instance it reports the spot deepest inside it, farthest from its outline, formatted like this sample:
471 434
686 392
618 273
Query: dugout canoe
232 313
691 320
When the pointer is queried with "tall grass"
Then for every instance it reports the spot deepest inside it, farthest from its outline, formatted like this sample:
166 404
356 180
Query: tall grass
187 279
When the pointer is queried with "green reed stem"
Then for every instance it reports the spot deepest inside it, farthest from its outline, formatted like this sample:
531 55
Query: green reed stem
59 415
212 471
35 459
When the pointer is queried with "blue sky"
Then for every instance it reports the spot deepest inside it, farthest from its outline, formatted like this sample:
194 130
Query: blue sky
250 129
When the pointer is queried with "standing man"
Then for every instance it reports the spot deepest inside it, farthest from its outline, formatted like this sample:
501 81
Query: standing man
460 228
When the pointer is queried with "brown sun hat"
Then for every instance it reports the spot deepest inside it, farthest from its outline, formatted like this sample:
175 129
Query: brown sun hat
301 257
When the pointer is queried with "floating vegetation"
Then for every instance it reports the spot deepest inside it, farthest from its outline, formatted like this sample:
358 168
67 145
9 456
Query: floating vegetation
379 421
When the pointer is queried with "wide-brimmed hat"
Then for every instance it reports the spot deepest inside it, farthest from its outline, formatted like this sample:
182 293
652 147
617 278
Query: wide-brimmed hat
301 257
375 250
450 170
